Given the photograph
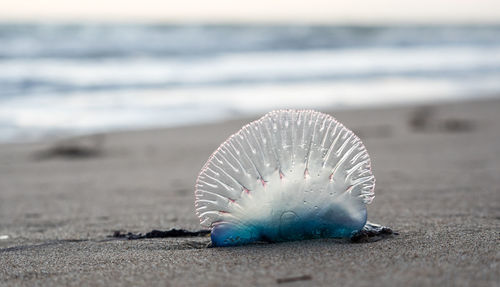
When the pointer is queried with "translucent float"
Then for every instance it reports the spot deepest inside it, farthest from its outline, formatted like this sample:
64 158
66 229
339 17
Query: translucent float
290 175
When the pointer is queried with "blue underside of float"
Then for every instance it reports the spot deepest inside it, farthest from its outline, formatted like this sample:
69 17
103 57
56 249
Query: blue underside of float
232 234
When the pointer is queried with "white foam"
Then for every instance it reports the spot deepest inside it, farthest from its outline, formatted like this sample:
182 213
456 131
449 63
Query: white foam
83 112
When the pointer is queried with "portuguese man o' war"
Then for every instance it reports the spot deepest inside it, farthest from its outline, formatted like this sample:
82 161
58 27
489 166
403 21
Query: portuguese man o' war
290 175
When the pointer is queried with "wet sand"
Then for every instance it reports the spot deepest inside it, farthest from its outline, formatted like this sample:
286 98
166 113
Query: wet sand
438 186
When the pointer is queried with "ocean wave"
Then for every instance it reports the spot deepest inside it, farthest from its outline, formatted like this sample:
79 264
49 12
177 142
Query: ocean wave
74 79
23 77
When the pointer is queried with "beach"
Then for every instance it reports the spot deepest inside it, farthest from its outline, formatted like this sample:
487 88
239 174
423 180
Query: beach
437 169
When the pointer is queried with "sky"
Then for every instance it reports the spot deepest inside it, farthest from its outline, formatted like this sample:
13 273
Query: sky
257 11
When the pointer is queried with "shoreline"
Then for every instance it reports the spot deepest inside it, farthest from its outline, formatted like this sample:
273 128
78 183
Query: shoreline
65 136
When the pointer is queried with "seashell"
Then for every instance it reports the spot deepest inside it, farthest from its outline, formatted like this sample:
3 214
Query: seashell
291 175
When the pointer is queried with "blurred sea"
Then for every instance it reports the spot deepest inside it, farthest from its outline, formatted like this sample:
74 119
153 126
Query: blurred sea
58 79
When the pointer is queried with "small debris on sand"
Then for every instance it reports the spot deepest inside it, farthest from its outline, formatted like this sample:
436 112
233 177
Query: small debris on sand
425 119
293 279
74 148
160 234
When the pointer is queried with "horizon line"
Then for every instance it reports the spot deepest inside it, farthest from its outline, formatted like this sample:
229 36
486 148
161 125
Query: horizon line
236 22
